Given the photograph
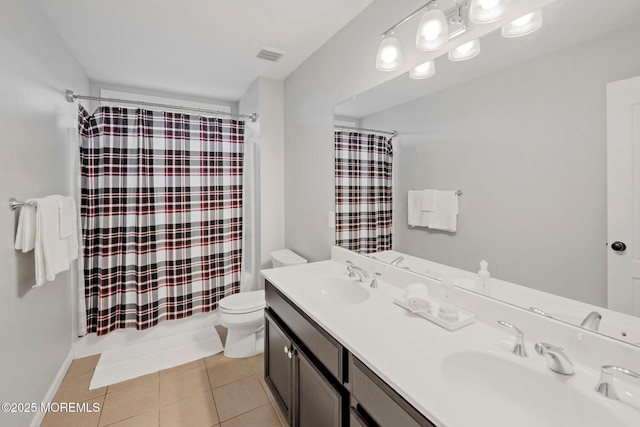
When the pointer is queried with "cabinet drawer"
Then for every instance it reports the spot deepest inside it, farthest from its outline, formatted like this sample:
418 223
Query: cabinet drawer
386 407
319 343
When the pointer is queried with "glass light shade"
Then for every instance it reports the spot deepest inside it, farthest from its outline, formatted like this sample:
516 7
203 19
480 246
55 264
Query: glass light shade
524 25
389 56
485 11
433 30
423 71
465 51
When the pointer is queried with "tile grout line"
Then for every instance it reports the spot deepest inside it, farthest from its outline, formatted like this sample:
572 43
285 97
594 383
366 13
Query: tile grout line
206 368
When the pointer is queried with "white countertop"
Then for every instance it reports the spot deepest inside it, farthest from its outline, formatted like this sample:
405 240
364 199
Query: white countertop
407 351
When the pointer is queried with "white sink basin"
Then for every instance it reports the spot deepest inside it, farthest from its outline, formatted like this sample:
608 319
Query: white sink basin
501 391
335 288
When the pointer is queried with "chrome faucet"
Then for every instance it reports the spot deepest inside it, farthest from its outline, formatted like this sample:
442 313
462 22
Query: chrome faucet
518 346
397 260
374 281
557 361
355 271
605 384
592 321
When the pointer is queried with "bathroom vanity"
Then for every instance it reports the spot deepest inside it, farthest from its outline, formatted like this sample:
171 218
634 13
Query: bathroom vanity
317 382
340 353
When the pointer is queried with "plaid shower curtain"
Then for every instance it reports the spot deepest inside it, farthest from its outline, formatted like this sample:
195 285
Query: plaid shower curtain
363 166
161 212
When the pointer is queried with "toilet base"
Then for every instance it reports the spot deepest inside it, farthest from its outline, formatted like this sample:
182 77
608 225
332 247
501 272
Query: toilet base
240 344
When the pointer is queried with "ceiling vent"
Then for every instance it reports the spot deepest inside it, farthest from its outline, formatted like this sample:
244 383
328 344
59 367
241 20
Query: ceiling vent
269 54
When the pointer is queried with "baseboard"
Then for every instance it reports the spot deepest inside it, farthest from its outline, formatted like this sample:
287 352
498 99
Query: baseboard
37 419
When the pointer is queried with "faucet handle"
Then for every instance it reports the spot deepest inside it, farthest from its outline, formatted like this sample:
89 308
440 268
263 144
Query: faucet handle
605 383
557 361
518 347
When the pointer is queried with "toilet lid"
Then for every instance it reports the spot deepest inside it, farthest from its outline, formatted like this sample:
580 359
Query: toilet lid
287 257
244 302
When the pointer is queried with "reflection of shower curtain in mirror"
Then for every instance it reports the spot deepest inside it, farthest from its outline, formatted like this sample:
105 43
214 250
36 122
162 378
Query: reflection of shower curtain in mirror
161 215
363 191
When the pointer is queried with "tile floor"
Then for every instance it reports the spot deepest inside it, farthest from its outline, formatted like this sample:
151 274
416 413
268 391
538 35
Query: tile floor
210 392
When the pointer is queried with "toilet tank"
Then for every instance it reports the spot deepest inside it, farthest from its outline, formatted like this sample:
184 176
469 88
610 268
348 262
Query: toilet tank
285 257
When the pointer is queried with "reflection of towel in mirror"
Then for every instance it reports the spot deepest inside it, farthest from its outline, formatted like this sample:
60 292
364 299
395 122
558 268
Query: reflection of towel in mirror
52 254
420 205
26 232
445 213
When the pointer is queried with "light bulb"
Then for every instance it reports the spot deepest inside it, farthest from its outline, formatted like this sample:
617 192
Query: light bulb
389 56
433 30
465 51
524 25
485 11
423 71
523 20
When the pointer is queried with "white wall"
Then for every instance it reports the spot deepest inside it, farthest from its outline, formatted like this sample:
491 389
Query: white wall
272 215
266 97
527 146
36 123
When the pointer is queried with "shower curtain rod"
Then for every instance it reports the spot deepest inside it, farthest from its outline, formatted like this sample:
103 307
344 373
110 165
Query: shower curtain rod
386 132
71 97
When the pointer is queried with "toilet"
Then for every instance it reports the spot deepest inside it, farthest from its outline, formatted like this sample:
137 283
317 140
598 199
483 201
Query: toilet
243 314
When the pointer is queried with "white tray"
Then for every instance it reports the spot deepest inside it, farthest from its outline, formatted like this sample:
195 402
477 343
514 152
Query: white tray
465 318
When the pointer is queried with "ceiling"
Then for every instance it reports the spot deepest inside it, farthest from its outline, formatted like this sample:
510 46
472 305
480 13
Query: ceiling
205 48
565 23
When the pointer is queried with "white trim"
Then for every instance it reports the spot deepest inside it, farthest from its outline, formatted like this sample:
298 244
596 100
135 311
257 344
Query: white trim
39 416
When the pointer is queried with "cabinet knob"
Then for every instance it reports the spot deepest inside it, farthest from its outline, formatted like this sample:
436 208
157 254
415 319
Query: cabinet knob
286 350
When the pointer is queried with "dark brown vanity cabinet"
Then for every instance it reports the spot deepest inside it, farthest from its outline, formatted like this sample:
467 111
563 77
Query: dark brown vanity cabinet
374 403
315 380
307 392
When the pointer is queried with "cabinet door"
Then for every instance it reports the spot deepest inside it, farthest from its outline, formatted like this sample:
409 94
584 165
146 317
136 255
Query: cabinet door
278 365
317 402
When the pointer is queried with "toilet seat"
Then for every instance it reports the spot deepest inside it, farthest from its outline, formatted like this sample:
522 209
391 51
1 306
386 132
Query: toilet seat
245 302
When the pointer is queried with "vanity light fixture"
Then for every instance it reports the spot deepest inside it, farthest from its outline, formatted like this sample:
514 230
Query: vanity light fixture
433 29
423 70
436 28
389 56
465 51
485 11
524 25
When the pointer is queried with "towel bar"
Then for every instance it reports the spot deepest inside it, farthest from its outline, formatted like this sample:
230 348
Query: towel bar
15 204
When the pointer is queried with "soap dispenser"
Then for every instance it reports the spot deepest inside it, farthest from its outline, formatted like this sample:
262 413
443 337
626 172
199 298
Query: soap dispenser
484 278
447 310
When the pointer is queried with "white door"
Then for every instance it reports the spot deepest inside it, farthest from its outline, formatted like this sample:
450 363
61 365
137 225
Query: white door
623 195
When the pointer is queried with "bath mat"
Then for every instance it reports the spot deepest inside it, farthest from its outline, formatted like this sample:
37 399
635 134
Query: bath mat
145 358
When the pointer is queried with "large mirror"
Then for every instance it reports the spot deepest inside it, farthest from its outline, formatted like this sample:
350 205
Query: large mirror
521 130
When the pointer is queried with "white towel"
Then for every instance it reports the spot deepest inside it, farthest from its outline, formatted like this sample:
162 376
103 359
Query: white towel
428 200
417 297
66 216
26 232
417 215
52 254
445 213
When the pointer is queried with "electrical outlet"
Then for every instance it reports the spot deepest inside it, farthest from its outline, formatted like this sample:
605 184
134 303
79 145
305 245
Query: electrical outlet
332 219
